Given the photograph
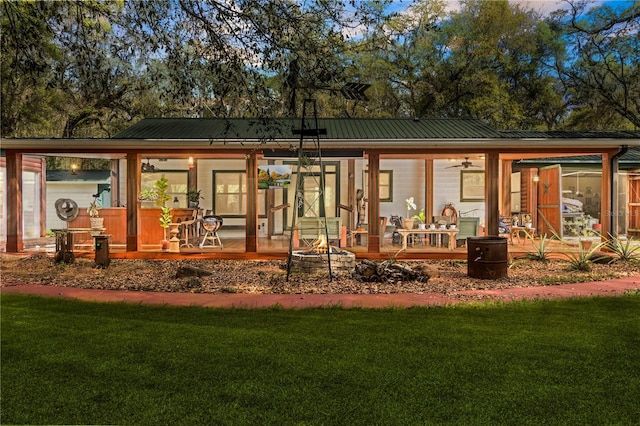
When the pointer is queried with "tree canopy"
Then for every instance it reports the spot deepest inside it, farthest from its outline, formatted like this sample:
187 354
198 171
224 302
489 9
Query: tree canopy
92 68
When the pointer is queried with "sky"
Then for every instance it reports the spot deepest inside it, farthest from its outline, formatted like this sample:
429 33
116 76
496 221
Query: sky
544 6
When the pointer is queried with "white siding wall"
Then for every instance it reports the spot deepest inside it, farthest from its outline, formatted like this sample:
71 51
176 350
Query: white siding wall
408 181
80 192
447 190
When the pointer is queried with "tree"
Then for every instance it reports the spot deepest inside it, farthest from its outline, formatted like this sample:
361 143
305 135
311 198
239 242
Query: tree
497 72
601 70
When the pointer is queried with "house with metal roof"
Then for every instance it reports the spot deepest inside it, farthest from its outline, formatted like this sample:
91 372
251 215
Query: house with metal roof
375 171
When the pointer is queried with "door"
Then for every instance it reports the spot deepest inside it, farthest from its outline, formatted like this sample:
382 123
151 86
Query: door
312 207
550 201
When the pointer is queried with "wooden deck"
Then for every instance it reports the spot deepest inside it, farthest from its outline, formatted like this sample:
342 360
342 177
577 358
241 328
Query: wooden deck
234 248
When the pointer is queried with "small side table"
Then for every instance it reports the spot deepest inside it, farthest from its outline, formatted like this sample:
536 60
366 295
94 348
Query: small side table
528 232
354 236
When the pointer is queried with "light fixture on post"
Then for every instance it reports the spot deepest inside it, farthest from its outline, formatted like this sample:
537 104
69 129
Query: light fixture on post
74 169
191 164
536 178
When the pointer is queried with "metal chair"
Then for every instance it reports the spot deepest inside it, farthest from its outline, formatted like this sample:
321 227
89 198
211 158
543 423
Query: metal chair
210 225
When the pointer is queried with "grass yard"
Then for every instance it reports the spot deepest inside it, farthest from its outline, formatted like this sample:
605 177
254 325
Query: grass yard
546 362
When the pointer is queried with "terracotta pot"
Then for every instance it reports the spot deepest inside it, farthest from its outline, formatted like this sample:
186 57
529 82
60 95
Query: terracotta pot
586 244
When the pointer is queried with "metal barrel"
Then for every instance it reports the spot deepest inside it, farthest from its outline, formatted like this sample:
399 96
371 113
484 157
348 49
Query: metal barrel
487 257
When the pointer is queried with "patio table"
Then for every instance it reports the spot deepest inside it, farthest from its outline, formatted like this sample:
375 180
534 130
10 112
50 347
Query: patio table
437 232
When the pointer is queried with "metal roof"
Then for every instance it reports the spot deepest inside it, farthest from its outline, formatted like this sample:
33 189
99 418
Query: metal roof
283 128
629 160
434 135
571 134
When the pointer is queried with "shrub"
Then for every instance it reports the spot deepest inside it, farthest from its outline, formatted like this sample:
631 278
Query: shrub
582 259
625 250
540 248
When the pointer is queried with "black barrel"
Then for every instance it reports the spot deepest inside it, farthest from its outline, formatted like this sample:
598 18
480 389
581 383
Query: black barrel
487 257
102 250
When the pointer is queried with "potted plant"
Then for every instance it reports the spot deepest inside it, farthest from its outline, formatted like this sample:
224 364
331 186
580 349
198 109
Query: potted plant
193 198
421 218
93 211
586 242
407 222
162 196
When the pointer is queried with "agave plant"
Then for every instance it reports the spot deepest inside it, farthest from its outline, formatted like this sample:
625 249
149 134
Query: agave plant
627 250
540 249
582 259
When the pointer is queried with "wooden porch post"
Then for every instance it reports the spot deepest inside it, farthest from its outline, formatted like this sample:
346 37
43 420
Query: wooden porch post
428 189
43 197
251 236
271 203
192 175
373 237
609 214
15 243
115 183
491 190
133 206
505 188
351 193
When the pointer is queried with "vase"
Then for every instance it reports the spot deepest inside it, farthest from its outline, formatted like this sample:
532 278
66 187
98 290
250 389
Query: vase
407 223
422 226
96 222
586 244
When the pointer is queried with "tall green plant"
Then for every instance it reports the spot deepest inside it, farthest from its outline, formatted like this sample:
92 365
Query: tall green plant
540 248
627 250
582 259
162 196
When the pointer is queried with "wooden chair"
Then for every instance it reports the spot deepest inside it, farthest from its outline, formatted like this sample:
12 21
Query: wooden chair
505 228
467 227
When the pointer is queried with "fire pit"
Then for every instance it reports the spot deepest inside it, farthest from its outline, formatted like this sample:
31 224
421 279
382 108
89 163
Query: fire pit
342 261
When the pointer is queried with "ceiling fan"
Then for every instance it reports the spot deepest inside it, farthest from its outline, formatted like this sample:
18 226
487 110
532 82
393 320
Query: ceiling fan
466 164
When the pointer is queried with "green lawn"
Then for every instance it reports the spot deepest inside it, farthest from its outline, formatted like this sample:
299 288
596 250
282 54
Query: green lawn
547 362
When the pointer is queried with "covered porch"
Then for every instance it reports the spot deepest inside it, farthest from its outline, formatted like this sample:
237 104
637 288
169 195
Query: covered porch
456 170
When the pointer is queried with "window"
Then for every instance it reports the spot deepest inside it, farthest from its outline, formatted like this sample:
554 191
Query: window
385 185
177 189
230 192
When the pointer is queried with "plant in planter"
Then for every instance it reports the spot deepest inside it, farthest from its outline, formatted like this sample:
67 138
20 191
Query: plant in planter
421 218
97 222
194 197
407 222
162 197
147 195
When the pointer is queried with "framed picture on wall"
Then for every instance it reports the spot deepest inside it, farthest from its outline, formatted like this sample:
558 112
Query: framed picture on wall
471 185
